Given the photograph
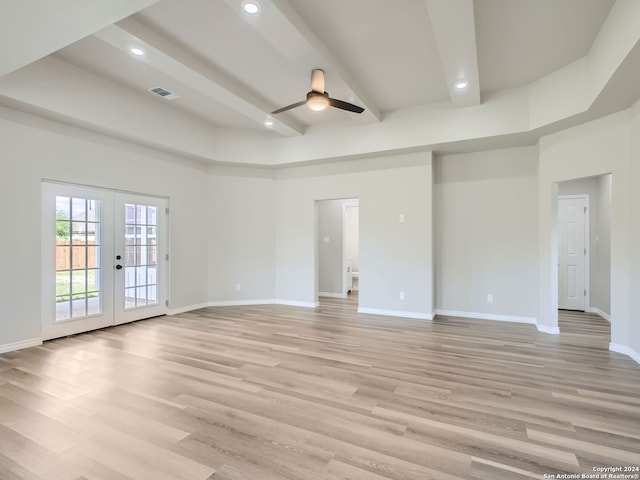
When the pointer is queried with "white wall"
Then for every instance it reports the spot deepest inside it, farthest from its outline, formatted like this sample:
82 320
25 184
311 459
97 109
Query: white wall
394 256
601 251
595 148
599 191
486 233
330 247
32 149
241 220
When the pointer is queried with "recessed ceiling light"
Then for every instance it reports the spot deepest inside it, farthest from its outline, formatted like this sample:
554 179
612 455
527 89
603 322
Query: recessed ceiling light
461 84
138 52
268 122
251 7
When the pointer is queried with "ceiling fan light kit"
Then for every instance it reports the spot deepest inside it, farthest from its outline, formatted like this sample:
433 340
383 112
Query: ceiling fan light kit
318 99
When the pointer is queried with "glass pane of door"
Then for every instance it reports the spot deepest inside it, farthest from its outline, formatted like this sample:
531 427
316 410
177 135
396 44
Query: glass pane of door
78 268
141 261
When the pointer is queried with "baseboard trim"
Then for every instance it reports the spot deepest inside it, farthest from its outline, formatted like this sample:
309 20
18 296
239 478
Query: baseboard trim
240 303
628 351
547 329
486 316
294 303
396 313
331 295
600 313
185 309
10 347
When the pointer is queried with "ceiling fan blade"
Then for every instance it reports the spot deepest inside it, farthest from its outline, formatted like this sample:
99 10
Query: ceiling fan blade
317 80
345 105
289 107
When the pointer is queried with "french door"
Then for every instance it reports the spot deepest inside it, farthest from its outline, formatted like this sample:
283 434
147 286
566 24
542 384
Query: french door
104 258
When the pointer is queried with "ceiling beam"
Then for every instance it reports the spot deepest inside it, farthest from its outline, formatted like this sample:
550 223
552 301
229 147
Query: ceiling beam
453 24
170 59
288 33
31 30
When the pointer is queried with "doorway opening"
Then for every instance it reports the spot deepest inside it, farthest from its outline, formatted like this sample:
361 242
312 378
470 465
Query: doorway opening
584 251
337 249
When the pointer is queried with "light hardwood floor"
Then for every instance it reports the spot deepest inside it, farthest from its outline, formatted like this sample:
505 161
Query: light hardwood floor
275 392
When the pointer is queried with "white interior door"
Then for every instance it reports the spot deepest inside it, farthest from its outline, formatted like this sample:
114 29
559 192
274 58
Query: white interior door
84 231
572 253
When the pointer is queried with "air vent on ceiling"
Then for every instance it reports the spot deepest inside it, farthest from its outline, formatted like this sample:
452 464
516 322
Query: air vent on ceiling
164 93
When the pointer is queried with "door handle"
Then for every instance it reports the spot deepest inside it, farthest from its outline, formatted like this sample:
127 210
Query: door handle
118 267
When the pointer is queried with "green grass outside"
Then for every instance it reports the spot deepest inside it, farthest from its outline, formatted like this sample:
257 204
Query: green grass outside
66 290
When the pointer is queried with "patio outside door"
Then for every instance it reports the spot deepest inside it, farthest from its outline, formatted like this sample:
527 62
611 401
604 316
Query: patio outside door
104 258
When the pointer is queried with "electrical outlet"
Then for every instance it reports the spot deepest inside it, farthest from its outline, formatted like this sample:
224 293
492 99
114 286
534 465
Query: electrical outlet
489 297
238 287
401 295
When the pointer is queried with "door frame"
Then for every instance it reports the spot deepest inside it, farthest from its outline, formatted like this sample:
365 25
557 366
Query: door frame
351 201
587 246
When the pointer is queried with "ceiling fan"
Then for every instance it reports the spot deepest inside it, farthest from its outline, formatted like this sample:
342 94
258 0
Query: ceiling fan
317 99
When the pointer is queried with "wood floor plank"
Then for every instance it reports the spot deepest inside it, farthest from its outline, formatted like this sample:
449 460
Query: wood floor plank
140 459
274 392
483 469
504 442
345 471
618 454
33 460
391 466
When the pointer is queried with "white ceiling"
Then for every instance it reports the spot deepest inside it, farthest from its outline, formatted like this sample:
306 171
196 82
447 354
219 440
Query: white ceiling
396 58
520 41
